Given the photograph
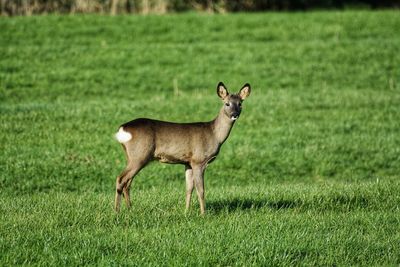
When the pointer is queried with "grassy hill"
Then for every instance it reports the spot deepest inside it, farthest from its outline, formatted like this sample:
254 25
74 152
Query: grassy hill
309 175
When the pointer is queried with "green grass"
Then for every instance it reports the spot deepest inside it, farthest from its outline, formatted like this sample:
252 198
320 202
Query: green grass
310 173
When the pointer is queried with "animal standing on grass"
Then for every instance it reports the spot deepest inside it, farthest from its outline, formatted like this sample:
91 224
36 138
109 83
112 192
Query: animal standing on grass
191 144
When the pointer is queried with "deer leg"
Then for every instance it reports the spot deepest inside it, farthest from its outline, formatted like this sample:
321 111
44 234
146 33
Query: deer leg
198 176
123 183
189 185
126 191
118 189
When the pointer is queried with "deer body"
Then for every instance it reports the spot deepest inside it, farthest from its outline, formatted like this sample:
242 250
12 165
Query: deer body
191 144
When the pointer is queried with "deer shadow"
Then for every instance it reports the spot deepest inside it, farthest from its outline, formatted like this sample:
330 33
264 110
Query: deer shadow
340 202
236 204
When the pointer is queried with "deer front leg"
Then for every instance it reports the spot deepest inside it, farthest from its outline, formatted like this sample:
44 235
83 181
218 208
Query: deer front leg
198 176
189 185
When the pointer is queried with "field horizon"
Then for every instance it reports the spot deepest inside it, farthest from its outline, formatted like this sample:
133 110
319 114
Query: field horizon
308 176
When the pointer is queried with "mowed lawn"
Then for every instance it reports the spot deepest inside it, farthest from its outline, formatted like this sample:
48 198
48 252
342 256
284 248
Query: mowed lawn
309 175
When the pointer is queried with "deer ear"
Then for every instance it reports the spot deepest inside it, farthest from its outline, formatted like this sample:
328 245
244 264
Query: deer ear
221 90
245 91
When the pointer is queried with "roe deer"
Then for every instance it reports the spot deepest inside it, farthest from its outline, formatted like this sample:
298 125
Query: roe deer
191 144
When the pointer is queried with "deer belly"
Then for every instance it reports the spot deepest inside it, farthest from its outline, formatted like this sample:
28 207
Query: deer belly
168 158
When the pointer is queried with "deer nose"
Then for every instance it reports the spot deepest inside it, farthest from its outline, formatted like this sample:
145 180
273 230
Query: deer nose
234 116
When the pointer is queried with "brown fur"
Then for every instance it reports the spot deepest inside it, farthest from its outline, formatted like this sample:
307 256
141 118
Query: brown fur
191 144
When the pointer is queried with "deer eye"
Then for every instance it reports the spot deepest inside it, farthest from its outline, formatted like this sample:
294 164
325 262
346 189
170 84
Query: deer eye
227 104
240 104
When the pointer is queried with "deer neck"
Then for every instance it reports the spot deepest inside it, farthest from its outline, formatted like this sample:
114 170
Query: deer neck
222 126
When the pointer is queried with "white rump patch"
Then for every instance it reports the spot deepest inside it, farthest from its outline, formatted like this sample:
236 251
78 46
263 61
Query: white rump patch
123 136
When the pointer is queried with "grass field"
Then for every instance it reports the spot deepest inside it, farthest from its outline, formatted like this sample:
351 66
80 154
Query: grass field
310 173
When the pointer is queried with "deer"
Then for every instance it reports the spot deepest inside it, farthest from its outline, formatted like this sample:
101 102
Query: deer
193 145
